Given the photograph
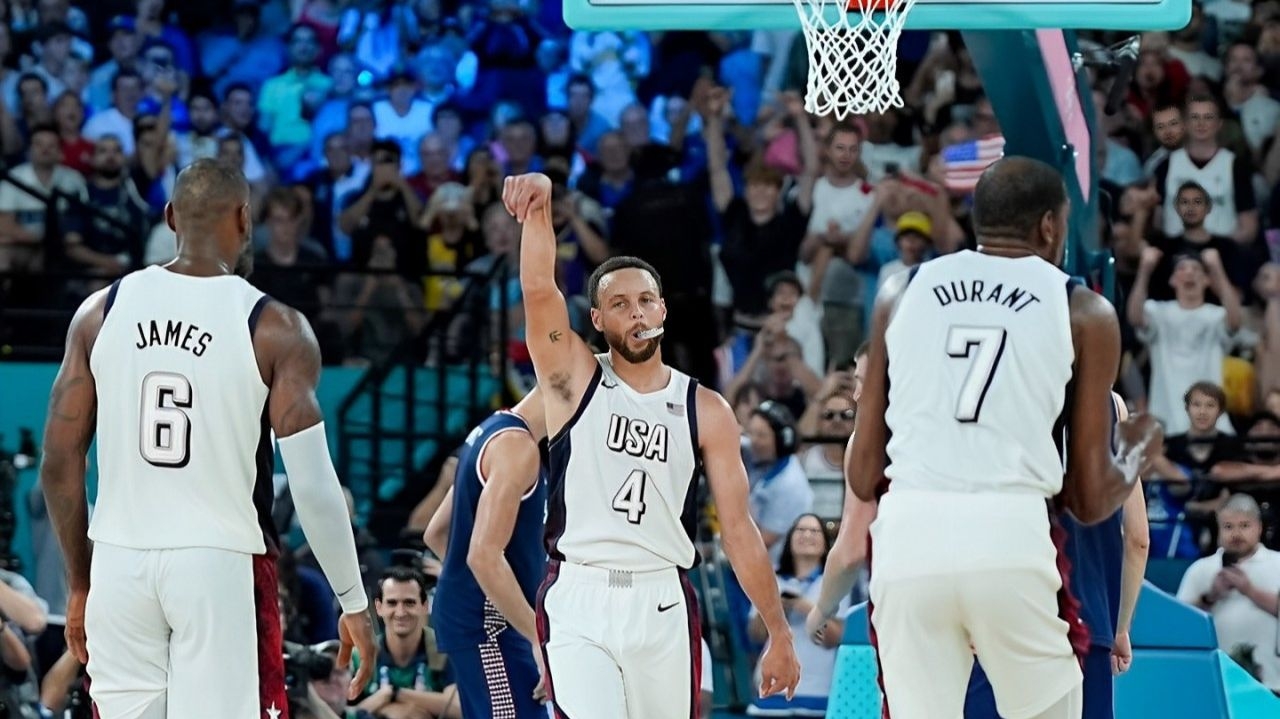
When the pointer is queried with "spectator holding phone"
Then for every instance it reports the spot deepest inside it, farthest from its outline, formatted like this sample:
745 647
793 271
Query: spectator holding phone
799 571
1240 586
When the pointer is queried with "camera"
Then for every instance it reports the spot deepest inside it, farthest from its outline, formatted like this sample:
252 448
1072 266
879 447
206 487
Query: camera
302 665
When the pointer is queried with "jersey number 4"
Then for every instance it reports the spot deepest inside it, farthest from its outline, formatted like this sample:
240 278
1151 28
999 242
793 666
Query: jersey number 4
983 347
165 430
630 497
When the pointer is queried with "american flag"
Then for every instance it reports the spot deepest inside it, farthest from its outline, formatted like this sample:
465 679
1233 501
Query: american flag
965 162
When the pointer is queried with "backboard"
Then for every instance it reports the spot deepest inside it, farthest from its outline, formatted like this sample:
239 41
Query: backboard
927 14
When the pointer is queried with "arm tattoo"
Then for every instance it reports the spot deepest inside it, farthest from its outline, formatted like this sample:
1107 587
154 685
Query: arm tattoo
555 335
560 385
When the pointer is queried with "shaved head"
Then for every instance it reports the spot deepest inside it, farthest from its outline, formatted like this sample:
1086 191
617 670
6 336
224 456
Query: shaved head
208 190
210 213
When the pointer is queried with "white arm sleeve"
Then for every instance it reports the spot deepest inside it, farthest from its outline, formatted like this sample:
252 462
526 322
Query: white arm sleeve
322 511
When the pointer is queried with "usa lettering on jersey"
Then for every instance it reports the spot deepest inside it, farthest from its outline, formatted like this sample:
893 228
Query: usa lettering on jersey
637 438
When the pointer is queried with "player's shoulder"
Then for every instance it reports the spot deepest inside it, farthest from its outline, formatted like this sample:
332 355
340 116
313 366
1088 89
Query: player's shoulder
715 415
1088 307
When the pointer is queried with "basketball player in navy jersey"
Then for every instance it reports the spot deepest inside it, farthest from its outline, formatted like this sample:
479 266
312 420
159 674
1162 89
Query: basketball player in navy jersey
617 615
980 363
1108 561
184 371
493 562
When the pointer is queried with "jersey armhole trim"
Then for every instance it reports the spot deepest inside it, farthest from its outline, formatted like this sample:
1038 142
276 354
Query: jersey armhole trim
582 405
111 298
480 461
691 403
256 313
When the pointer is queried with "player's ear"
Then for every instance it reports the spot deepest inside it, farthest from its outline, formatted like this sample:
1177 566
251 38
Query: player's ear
595 320
168 217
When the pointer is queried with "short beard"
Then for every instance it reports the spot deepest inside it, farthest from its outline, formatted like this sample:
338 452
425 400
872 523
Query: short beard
618 343
244 263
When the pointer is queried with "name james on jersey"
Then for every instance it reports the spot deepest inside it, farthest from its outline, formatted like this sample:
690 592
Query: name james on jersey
970 291
173 335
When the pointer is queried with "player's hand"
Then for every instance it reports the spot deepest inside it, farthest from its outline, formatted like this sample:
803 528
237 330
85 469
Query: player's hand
540 691
356 630
526 194
1150 257
1121 654
74 632
779 668
815 625
1140 439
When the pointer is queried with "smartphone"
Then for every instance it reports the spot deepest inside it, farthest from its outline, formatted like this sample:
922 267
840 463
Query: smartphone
790 594
892 169
1230 558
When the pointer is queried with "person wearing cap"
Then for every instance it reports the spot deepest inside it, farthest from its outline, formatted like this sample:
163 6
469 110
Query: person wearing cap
913 234
124 44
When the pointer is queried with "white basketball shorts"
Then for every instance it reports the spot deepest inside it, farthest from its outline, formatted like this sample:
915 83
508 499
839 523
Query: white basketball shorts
181 633
620 645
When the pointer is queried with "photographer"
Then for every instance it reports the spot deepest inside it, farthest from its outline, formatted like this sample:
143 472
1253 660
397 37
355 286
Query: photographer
1240 586
407 683
317 686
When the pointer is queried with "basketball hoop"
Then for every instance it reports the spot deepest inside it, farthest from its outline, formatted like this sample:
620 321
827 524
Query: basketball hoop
853 54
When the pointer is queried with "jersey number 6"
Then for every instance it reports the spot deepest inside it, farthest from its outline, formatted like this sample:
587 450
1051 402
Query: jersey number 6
165 431
630 497
983 347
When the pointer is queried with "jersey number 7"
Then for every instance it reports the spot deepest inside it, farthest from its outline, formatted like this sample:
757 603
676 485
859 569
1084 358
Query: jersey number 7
983 347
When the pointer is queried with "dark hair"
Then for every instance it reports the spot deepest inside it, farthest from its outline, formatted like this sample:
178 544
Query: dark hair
236 87
28 77
403 574
758 173
284 198
580 79
383 144
42 127
1208 389
442 108
123 75
613 264
1014 194
783 423
787 560
1192 185
1165 107
1204 100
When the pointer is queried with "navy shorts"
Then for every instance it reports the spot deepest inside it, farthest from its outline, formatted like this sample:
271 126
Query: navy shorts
1099 690
497 679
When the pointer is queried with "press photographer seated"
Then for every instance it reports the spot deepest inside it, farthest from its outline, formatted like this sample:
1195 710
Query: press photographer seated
408 683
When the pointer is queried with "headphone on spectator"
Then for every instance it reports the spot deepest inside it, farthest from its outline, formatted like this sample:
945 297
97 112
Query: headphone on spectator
783 424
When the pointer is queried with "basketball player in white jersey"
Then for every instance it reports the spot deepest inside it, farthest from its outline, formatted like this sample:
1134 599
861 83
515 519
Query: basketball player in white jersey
183 372
979 362
617 616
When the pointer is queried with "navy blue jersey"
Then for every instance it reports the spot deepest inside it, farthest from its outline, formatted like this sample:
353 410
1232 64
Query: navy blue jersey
1097 562
458 613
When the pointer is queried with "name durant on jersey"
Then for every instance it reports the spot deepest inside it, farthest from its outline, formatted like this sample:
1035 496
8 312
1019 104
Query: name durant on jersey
174 334
637 438
1014 298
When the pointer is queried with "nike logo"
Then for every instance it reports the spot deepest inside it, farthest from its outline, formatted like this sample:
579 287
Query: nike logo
661 608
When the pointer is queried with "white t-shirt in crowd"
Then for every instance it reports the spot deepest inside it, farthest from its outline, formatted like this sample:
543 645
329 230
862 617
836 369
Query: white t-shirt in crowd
1235 617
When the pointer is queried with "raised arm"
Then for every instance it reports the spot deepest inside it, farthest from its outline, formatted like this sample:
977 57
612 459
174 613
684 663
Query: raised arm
562 362
289 360
1096 481
509 466
727 477
1136 306
865 460
68 432
1223 288
717 151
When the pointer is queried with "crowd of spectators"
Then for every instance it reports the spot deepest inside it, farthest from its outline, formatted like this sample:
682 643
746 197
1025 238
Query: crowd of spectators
375 135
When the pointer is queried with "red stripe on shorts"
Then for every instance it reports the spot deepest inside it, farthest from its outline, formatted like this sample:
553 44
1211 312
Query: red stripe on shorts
544 633
271 690
1068 605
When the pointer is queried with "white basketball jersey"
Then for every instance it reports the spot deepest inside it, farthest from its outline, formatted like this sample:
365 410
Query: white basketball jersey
980 356
622 476
183 440
1217 177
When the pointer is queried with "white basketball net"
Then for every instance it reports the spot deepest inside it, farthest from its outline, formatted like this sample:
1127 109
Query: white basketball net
853 55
